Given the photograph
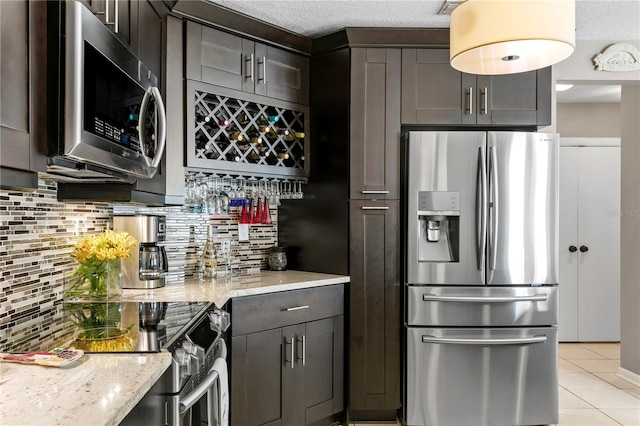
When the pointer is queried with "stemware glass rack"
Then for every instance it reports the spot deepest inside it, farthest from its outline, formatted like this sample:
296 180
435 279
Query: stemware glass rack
245 136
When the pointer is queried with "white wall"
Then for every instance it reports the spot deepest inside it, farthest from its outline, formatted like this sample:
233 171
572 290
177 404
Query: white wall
601 120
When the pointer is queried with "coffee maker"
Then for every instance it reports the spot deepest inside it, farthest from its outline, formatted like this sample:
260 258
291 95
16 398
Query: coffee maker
147 266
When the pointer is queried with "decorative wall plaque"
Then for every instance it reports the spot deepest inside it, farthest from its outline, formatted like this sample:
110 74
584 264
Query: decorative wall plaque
618 57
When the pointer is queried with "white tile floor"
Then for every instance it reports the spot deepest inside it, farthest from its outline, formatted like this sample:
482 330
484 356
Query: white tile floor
590 392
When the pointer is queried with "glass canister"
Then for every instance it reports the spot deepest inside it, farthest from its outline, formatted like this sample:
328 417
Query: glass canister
277 259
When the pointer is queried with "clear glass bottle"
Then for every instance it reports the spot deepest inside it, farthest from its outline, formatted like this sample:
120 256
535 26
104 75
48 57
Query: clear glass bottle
209 255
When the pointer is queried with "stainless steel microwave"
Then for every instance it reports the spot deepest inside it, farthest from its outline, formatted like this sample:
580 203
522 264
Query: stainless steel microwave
110 121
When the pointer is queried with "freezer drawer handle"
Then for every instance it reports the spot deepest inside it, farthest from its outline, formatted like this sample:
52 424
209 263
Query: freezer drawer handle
374 192
514 341
540 297
375 208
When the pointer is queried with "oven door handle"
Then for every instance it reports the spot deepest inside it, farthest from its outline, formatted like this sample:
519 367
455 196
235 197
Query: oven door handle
161 131
199 391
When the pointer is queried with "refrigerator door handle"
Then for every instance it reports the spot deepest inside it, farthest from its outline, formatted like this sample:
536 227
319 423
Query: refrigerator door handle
493 205
485 342
540 297
481 208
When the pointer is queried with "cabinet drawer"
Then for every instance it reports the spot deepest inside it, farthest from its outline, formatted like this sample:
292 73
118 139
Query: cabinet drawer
262 312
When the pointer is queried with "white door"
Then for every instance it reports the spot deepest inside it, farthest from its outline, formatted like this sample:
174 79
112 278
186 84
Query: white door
590 222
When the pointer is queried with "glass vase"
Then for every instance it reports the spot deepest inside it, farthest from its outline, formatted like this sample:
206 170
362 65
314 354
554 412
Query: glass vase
95 280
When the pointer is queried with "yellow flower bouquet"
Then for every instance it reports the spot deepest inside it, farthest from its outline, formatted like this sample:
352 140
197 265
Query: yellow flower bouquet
99 255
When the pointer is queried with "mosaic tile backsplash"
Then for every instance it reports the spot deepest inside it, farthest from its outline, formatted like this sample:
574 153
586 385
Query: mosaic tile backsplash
37 234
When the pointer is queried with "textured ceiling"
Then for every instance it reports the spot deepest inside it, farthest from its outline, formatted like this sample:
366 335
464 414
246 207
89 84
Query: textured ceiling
595 19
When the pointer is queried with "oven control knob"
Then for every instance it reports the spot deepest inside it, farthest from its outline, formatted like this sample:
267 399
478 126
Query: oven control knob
219 320
183 359
196 356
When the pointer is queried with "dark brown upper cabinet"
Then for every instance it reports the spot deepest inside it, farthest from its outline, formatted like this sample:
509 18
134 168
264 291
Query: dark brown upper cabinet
435 93
138 24
23 100
116 15
375 124
223 59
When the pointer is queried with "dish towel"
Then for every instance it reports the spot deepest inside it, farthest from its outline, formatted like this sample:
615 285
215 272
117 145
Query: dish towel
220 414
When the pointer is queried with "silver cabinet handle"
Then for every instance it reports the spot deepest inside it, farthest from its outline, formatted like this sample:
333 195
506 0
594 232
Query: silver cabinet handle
296 308
116 25
374 192
485 101
374 208
292 359
540 297
470 109
487 342
106 13
250 60
264 70
303 356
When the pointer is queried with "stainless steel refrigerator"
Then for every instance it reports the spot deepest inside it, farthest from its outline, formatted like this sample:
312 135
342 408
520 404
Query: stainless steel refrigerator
481 254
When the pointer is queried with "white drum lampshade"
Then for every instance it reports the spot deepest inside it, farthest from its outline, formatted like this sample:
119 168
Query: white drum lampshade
511 36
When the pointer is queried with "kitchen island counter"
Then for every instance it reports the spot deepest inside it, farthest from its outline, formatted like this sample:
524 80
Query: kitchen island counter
221 290
98 389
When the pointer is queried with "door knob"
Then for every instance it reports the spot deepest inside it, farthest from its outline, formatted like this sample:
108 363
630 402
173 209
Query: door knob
584 249
573 249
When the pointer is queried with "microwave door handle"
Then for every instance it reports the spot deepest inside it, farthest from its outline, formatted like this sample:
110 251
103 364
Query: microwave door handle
162 125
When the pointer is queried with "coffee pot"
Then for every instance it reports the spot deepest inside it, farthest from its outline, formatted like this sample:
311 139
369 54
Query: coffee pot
148 265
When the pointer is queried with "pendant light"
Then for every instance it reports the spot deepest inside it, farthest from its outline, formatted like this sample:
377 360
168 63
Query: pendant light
511 36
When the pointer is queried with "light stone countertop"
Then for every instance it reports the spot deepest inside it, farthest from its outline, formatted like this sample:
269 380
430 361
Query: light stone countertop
98 389
220 290
101 389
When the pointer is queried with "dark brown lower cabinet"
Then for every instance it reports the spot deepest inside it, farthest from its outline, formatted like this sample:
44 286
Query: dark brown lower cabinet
289 375
374 304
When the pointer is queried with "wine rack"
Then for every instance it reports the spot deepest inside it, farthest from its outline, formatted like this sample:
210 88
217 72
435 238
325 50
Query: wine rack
245 136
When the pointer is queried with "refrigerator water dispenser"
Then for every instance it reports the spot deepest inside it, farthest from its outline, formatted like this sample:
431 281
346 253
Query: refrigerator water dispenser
439 226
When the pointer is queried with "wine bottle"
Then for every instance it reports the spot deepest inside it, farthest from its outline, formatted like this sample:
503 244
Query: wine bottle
209 255
264 129
283 155
299 135
223 122
256 140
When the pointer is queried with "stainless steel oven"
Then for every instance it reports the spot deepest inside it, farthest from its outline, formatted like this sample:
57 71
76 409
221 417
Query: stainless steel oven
110 122
195 388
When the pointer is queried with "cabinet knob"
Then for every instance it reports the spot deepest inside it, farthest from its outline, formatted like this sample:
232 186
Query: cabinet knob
573 249
584 249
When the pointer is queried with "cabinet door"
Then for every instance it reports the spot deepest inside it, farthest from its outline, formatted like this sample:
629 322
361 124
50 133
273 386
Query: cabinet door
433 92
599 233
568 260
117 16
375 124
374 294
148 35
321 354
23 80
257 364
280 74
589 219
293 361
14 78
511 98
219 58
